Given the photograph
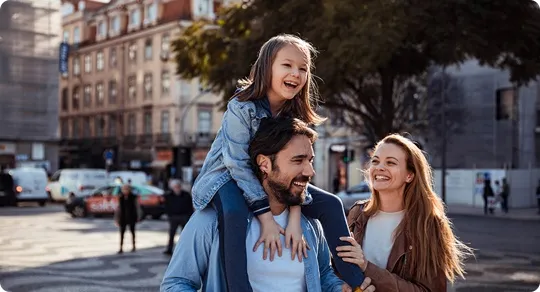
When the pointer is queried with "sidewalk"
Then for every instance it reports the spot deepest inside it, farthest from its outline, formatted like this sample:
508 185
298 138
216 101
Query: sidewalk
515 214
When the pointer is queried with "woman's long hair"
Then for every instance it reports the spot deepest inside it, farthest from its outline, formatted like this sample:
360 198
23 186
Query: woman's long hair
425 224
259 82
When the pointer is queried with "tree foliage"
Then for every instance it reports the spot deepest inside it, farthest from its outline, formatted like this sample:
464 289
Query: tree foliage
370 49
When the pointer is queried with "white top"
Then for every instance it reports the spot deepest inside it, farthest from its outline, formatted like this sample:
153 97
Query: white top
379 237
282 274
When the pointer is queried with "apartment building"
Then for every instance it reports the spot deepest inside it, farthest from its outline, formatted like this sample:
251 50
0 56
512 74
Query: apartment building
121 105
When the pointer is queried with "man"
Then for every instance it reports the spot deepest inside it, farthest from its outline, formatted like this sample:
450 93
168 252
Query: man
178 207
7 188
284 170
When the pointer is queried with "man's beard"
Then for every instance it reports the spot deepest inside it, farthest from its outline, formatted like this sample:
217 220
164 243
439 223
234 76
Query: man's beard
282 192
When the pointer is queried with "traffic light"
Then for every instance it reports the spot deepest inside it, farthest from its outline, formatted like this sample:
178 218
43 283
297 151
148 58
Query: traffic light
348 155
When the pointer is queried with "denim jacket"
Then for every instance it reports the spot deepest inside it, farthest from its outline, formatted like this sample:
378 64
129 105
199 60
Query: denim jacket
196 259
228 157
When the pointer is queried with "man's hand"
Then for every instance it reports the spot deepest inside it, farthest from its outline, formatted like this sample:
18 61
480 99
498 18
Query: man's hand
293 233
270 235
352 253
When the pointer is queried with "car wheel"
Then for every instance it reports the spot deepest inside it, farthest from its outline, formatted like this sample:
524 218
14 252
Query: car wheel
50 197
79 211
156 216
42 203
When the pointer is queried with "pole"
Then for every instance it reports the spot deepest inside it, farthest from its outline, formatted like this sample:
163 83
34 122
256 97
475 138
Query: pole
444 135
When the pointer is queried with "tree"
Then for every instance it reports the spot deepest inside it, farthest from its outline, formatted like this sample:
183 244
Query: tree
370 49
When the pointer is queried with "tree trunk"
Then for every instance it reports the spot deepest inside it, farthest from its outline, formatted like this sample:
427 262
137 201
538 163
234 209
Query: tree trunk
385 126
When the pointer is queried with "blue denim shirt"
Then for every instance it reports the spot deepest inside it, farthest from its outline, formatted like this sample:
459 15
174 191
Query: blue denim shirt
228 157
196 261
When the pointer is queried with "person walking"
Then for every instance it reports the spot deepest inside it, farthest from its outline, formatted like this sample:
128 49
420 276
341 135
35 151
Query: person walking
178 207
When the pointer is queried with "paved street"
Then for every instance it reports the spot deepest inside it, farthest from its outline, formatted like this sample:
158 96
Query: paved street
44 250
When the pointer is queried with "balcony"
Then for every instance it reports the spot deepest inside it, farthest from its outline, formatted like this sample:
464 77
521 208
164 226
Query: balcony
145 140
130 140
163 139
199 139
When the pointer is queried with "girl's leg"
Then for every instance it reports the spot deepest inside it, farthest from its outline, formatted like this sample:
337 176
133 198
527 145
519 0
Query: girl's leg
328 209
233 213
132 229
122 231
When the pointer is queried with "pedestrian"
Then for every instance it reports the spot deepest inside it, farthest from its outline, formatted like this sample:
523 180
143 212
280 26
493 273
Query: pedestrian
489 197
7 188
178 207
128 213
280 84
402 238
538 196
504 195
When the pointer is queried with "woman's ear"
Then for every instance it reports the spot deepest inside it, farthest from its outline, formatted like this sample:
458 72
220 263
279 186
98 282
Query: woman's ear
410 177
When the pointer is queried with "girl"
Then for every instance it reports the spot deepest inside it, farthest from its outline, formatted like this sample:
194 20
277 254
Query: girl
280 83
407 240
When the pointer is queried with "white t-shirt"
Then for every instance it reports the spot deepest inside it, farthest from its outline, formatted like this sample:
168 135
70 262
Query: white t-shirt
379 237
282 274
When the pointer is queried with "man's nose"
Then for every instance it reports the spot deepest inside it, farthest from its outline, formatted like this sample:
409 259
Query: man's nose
309 171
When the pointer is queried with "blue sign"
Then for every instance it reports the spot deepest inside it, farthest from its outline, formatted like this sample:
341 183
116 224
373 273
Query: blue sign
109 154
63 58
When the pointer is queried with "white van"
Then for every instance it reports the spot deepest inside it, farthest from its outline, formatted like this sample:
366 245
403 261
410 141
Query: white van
30 184
80 181
135 177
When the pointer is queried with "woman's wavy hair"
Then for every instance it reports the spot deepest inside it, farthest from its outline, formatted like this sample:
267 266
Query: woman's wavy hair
260 79
435 247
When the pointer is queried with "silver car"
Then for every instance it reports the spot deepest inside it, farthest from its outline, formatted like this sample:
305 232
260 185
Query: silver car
353 194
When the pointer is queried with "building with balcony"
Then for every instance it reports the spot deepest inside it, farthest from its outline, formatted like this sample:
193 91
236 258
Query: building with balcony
119 93
29 41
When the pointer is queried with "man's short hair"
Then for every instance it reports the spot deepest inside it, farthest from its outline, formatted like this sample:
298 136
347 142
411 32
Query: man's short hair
273 135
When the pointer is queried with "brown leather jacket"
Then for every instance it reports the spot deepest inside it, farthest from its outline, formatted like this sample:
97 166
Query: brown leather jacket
395 277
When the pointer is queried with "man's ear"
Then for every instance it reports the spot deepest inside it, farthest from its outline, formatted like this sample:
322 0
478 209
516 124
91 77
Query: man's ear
264 164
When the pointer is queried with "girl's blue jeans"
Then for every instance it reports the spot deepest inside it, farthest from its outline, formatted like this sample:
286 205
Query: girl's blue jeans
233 212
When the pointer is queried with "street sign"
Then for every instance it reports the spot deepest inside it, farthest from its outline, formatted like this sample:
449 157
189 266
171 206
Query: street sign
108 154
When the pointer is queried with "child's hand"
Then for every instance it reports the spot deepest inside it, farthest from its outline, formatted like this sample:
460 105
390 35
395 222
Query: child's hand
299 246
270 235
294 233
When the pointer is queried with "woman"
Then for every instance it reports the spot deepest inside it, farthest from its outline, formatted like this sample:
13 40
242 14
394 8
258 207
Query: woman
127 214
407 242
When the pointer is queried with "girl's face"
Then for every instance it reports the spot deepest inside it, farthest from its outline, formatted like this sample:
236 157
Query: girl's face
289 74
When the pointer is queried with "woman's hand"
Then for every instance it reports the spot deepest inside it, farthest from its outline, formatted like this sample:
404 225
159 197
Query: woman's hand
270 236
352 253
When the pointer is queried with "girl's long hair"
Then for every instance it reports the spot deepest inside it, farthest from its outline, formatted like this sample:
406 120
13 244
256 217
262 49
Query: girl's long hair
435 247
260 79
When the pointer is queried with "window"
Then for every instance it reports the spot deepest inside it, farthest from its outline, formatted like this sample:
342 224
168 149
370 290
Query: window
165 44
100 96
135 17
87 97
87 64
112 126
164 122
505 104
147 123
75 128
65 98
76 66
204 120
102 29
165 82
99 124
75 98
112 58
65 37
86 127
148 49
132 126
132 88
148 86
100 61
150 13
132 52
115 24
112 92
185 88
64 129
76 35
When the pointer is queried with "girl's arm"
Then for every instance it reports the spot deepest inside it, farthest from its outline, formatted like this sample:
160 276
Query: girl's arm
236 130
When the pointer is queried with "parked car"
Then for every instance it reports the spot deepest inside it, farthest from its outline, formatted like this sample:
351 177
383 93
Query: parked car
79 181
104 200
30 184
353 194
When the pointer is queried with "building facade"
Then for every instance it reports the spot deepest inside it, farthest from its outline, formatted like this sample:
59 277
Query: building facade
29 41
121 104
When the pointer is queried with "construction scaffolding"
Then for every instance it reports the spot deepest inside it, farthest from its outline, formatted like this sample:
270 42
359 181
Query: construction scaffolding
29 42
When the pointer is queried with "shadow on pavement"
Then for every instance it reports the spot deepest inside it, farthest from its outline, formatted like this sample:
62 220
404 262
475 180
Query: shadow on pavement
139 271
